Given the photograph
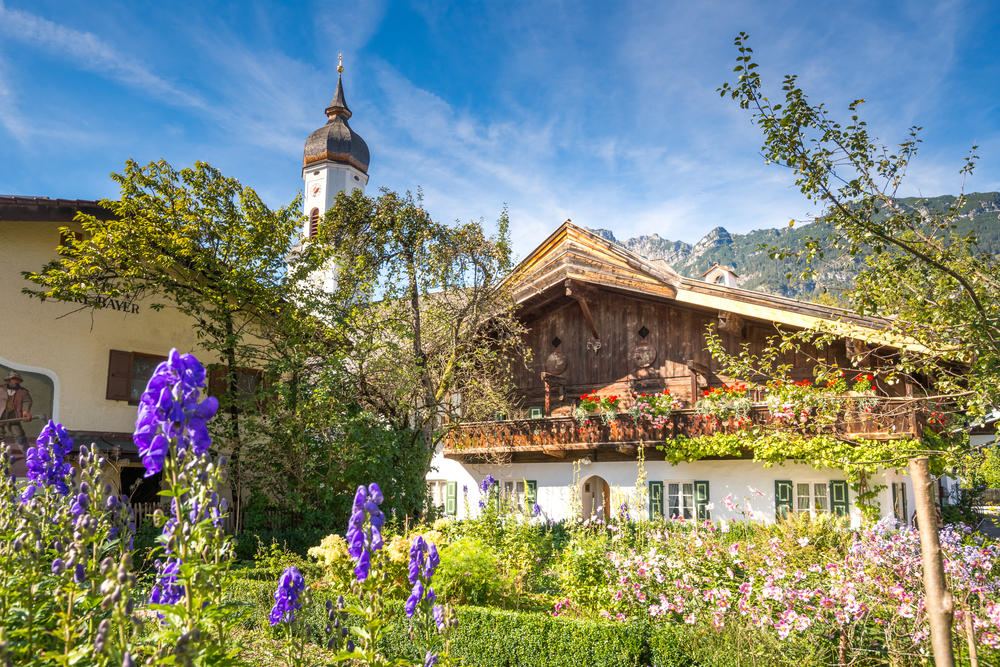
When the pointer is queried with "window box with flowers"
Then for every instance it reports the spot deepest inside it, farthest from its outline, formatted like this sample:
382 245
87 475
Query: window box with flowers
731 401
592 405
654 409
791 402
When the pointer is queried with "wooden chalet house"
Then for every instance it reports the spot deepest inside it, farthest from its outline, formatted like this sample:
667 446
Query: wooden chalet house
603 319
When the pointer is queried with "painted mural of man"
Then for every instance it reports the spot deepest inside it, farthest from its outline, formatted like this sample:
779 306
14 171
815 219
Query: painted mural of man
16 406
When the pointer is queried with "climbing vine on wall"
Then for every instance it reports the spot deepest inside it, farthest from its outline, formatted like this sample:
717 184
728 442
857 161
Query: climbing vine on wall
858 459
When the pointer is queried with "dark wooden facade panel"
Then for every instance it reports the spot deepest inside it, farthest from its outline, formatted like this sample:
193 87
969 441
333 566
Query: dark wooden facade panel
676 332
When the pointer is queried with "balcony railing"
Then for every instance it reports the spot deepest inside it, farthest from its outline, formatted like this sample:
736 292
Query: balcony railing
888 419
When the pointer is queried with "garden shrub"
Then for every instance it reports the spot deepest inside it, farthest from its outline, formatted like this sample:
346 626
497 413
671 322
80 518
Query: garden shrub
486 637
469 574
583 567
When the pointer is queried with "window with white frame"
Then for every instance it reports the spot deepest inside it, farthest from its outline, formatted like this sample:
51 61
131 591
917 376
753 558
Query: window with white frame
680 499
513 493
437 490
812 497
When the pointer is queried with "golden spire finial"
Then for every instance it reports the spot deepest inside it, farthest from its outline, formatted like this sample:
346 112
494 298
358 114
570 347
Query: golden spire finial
340 63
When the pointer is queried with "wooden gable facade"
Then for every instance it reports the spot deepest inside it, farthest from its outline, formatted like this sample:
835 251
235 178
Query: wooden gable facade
602 319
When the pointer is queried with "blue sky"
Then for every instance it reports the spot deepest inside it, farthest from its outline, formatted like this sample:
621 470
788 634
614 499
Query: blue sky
605 113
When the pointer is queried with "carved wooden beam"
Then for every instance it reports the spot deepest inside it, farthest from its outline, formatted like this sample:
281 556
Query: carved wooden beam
579 293
700 373
554 452
730 322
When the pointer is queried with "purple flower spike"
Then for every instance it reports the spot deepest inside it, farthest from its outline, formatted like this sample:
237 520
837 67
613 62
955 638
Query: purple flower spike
362 539
171 409
46 461
166 590
286 597
438 612
415 596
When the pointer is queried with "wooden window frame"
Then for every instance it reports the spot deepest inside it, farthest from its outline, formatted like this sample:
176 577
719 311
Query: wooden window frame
314 222
113 392
655 500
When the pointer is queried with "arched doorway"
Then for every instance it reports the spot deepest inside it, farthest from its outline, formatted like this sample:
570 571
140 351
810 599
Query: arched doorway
595 497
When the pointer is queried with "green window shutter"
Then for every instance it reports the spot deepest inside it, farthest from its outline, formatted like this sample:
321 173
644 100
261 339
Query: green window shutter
530 494
656 500
839 500
782 498
701 500
451 498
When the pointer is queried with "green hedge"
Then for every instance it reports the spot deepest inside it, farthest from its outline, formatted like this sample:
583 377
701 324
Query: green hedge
491 637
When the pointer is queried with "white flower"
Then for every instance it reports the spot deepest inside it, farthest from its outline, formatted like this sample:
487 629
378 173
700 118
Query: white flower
803 541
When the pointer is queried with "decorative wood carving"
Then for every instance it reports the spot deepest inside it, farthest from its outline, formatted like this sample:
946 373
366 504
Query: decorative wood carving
643 355
556 363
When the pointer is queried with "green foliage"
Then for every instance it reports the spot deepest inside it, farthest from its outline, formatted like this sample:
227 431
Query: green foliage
923 270
470 574
195 240
680 645
583 567
491 637
304 475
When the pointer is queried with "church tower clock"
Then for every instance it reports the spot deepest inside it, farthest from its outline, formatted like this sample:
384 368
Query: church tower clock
335 160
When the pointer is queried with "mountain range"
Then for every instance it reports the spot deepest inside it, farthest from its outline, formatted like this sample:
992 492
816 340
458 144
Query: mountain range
747 255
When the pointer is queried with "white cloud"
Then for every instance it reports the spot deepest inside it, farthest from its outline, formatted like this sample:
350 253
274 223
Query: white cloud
86 51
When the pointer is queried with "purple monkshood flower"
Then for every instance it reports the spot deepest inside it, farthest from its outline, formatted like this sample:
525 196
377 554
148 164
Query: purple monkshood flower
417 550
536 509
438 612
286 597
415 596
362 542
166 590
424 560
46 460
430 659
80 574
80 504
487 484
170 410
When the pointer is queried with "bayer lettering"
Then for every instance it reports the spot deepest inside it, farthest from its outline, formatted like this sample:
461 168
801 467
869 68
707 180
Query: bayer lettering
109 304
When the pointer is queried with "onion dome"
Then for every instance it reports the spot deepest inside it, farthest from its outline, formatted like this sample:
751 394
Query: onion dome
336 141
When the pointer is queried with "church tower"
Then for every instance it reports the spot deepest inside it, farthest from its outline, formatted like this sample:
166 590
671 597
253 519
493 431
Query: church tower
335 160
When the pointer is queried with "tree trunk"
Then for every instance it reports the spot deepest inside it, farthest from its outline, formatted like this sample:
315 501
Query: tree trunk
970 636
232 387
939 602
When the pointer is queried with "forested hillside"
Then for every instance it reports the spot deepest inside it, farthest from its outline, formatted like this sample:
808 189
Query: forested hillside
757 271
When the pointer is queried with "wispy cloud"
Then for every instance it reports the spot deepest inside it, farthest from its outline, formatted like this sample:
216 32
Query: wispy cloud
86 51
607 116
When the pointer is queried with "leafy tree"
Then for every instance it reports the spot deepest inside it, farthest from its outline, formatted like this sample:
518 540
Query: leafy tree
411 331
196 241
936 289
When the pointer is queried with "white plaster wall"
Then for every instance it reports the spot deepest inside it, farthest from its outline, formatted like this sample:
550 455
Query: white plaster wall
749 484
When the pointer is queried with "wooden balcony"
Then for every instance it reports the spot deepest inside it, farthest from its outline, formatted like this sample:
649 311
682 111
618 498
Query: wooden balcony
562 437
